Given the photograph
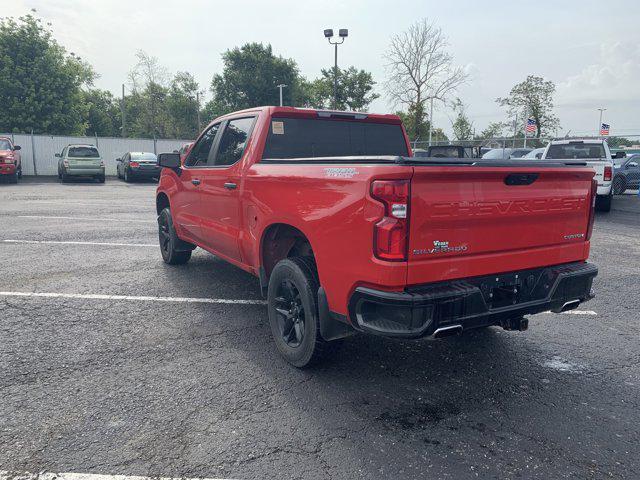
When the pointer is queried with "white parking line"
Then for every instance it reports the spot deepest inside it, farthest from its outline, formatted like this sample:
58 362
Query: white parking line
7 475
55 242
101 219
91 296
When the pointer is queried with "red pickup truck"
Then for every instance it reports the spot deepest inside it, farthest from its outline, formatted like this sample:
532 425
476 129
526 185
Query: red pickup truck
348 232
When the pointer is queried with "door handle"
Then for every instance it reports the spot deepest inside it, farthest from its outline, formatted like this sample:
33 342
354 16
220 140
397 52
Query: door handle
195 181
230 186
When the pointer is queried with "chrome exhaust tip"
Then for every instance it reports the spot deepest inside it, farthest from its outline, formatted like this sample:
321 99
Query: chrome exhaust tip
570 305
447 331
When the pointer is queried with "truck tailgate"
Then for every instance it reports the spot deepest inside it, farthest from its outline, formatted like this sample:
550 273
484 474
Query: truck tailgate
476 220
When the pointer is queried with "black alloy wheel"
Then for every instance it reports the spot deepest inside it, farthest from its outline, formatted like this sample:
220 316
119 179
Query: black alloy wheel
291 314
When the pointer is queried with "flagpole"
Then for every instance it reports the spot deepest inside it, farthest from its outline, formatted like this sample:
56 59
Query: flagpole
526 121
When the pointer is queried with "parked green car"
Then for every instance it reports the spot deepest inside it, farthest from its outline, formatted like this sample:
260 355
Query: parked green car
80 161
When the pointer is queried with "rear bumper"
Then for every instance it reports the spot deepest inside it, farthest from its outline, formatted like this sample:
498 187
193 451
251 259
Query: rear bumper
7 168
604 189
471 303
145 172
90 171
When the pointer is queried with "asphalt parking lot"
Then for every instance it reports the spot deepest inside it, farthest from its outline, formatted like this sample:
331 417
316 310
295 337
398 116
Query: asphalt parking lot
130 366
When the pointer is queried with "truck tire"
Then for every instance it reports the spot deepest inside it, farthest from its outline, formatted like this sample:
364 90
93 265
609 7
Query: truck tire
101 178
603 202
64 177
171 247
293 312
127 176
619 185
20 172
13 178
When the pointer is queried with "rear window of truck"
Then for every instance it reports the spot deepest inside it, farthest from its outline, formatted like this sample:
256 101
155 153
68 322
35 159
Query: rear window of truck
576 150
310 138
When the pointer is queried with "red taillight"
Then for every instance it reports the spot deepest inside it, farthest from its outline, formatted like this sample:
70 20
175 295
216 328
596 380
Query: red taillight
134 164
592 208
391 233
608 174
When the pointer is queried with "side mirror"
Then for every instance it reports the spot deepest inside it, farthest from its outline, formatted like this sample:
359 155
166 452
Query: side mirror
58 155
169 160
538 156
620 155
118 159
17 147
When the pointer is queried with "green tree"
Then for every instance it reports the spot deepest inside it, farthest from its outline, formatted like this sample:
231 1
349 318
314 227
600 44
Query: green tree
182 106
533 98
462 126
415 121
354 92
250 78
493 130
40 83
103 113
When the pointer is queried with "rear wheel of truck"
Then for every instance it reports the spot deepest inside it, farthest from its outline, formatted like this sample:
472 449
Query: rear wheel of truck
100 178
293 311
13 178
603 202
174 251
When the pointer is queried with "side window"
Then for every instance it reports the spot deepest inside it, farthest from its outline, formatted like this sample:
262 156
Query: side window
200 152
234 140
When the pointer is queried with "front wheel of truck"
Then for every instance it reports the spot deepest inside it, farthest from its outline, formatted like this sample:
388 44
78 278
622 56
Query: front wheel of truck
293 311
171 247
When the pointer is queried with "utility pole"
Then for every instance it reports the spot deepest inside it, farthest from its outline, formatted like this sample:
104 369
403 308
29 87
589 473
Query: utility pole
600 121
280 87
198 110
430 120
123 133
328 34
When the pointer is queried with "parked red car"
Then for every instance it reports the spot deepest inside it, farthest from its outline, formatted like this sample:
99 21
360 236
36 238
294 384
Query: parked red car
10 161
348 232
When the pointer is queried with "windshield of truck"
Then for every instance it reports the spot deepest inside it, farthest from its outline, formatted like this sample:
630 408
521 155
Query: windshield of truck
576 150
309 138
83 152
5 145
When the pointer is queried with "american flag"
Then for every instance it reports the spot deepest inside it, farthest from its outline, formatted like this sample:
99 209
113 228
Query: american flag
531 126
604 129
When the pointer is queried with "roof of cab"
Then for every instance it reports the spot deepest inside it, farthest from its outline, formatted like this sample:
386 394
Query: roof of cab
312 112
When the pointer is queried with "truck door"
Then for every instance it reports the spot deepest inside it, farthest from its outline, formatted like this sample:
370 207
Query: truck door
186 208
219 189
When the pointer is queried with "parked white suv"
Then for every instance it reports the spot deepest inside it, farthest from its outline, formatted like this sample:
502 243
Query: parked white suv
597 155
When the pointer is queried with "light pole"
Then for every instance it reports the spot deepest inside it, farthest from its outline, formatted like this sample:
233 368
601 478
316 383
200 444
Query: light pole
328 34
600 121
280 87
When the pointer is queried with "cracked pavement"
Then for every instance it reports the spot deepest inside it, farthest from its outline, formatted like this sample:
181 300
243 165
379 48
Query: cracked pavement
198 390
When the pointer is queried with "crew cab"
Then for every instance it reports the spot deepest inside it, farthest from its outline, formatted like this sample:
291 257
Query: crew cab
10 161
347 232
597 155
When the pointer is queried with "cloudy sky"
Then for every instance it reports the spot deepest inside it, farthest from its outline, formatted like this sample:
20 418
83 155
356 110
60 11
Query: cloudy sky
590 49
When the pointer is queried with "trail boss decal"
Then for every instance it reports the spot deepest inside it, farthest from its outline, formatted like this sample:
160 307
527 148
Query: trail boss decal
338 172
440 247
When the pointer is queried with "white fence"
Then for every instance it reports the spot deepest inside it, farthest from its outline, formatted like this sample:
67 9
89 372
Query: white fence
38 151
